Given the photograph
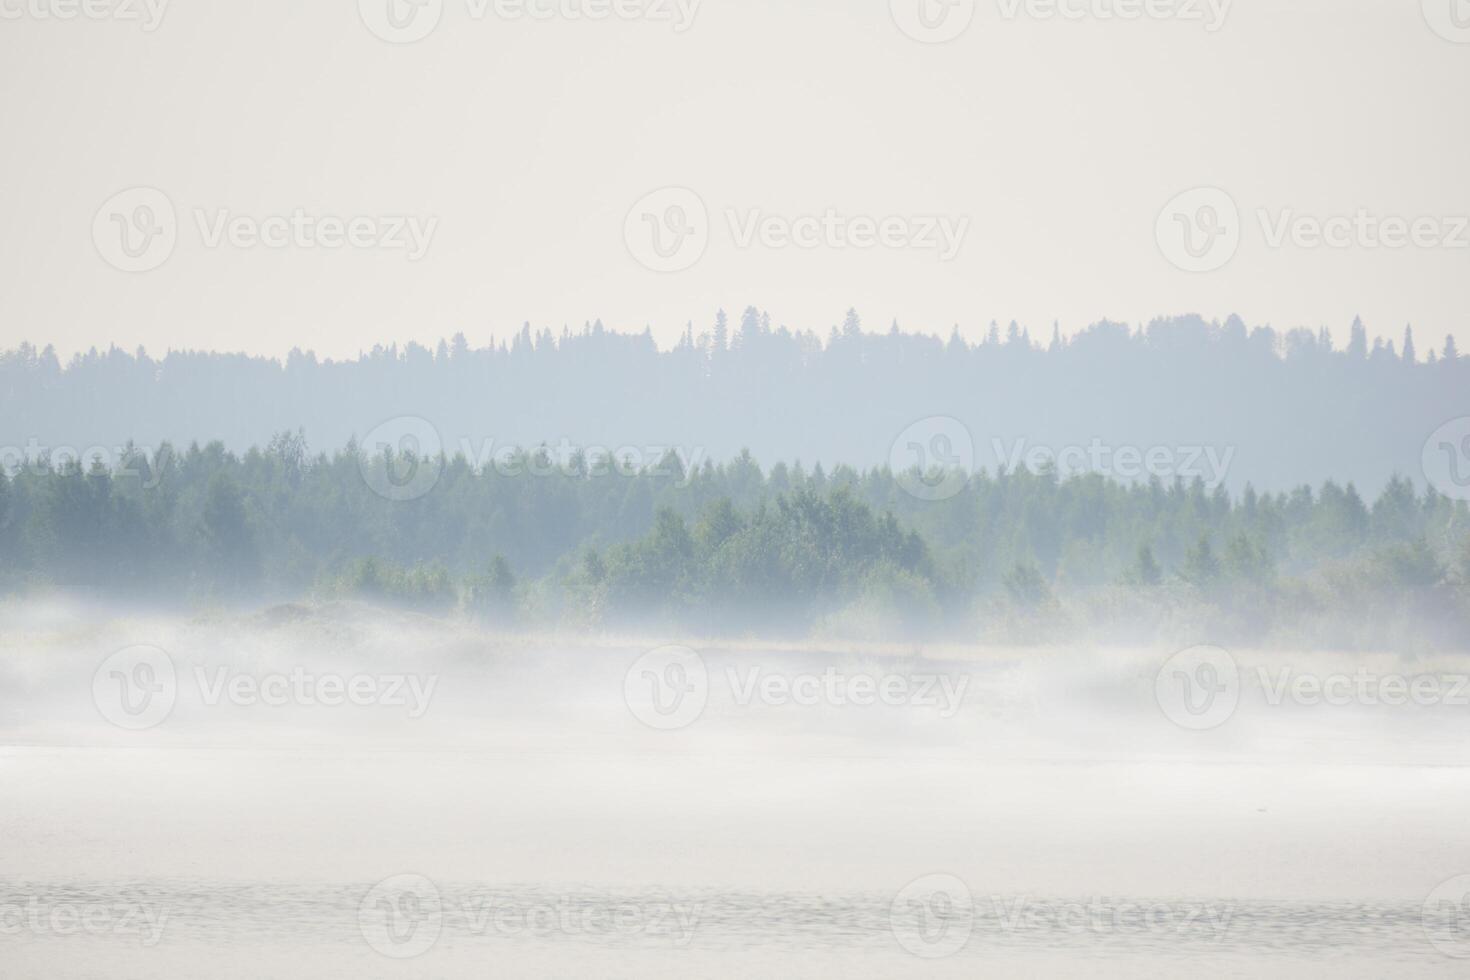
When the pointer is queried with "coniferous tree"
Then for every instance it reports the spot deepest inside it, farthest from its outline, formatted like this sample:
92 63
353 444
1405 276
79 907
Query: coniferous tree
722 332
1357 348
1201 567
1145 571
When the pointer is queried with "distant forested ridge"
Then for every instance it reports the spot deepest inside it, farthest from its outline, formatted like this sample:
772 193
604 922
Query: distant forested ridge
1282 408
734 548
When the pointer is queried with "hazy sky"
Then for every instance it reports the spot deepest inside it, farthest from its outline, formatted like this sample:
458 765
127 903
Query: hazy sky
1049 146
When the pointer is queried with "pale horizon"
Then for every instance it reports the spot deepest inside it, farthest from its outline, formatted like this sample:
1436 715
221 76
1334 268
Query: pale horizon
1058 143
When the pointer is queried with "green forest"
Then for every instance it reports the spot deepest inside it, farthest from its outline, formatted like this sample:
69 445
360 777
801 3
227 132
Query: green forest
733 548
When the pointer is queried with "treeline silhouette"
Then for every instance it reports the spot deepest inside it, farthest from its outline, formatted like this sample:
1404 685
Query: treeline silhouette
735 548
1286 407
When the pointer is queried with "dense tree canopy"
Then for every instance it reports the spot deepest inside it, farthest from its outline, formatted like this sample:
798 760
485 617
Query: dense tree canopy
1287 406
731 547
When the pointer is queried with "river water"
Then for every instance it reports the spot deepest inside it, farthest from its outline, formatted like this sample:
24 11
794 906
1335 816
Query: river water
503 806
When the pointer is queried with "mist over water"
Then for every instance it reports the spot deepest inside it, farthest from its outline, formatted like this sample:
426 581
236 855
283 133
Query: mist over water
666 489
555 806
